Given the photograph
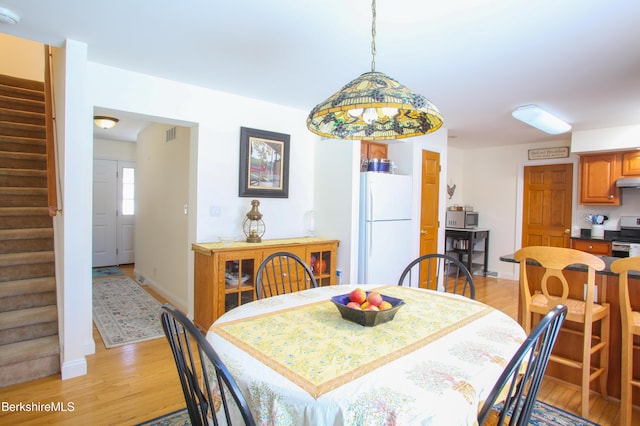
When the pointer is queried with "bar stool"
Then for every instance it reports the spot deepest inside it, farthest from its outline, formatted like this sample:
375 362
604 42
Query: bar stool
581 310
630 327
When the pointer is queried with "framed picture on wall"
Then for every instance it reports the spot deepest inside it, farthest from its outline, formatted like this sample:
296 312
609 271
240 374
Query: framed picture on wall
264 164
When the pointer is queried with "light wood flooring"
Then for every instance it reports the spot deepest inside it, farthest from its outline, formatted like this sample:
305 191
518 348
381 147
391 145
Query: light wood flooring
134 383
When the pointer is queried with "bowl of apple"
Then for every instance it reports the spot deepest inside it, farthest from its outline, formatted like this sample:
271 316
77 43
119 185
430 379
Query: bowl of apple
367 308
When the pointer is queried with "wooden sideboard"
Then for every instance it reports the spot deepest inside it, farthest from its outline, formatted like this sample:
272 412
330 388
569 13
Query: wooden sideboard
219 265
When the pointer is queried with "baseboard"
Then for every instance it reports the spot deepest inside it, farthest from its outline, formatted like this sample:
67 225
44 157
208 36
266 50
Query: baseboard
507 276
161 291
74 368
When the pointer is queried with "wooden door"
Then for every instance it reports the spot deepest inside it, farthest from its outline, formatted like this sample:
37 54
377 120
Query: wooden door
429 197
546 217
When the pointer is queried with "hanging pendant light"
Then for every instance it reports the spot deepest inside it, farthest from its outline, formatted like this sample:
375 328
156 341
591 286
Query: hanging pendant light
374 106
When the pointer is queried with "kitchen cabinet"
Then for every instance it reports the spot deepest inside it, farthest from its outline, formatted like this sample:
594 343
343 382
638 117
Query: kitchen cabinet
469 246
631 163
224 275
370 150
598 175
598 248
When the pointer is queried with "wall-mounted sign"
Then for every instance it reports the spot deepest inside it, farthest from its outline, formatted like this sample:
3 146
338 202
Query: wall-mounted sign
547 153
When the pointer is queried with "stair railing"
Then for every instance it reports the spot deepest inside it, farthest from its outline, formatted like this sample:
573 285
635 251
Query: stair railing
52 193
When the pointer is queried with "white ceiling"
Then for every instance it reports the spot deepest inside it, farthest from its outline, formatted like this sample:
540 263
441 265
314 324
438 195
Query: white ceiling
476 60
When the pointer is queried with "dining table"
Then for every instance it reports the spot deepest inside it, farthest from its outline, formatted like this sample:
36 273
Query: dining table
299 362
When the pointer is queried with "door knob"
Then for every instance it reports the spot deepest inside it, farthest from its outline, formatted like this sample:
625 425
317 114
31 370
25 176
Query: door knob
423 232
567 231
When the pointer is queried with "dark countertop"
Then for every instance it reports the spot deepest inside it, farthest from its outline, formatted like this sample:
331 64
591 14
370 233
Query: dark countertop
585 234
606 271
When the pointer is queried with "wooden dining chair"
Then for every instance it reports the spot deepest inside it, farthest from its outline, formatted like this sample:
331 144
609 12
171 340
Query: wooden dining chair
429 269
555 289
197 364
283 272
518 385
630 327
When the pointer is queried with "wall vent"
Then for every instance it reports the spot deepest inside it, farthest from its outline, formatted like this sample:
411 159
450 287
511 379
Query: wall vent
171 134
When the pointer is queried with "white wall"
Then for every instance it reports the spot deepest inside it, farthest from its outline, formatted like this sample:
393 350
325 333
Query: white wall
455 176
606 139
336 200
27 58
161 227
107 149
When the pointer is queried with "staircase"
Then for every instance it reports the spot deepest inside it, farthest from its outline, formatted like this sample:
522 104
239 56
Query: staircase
29 344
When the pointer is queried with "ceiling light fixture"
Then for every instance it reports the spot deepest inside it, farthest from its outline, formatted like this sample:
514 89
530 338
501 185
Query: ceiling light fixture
105 122
8 17
374 106
535 116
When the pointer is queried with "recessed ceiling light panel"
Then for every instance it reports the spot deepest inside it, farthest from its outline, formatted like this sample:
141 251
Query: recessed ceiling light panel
535 116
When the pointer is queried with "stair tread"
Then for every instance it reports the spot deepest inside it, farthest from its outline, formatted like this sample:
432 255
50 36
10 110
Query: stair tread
22 139
22 155
29 349
27 286
23 172
22 190
24 211
29 316
9 259
25 233
24 83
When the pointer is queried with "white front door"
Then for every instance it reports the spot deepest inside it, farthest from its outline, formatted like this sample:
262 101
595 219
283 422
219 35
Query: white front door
113 212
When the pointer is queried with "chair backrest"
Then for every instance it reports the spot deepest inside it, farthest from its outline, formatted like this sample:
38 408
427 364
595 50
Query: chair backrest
428 270
281 273
622 267
519 383
554 284
197 364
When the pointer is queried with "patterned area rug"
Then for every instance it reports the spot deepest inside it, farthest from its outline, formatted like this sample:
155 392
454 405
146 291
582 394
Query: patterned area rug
124 313
177 418
106 271
543 415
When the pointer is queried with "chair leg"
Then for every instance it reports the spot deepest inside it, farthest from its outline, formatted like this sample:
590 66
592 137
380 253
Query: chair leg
604 356
625 379
586 370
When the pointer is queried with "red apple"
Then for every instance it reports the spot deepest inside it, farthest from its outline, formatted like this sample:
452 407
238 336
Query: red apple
374 298
353 305
358 295
372 308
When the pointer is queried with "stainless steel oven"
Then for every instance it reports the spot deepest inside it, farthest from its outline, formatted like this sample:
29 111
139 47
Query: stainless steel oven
620 248
627 243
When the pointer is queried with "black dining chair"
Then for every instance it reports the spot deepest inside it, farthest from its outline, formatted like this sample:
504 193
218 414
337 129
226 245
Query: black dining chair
518 385
283 272
197 364
429 268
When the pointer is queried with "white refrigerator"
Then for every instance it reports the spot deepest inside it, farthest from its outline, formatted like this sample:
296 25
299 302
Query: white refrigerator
385 231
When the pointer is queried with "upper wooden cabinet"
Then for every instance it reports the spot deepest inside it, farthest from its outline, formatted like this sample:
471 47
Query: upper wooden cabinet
631 163
598 175
374 149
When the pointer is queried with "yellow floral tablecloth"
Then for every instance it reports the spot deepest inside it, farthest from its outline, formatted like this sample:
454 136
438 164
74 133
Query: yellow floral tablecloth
298 362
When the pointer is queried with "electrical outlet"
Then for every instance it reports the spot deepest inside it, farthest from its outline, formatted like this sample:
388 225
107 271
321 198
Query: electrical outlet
595 293
214 211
